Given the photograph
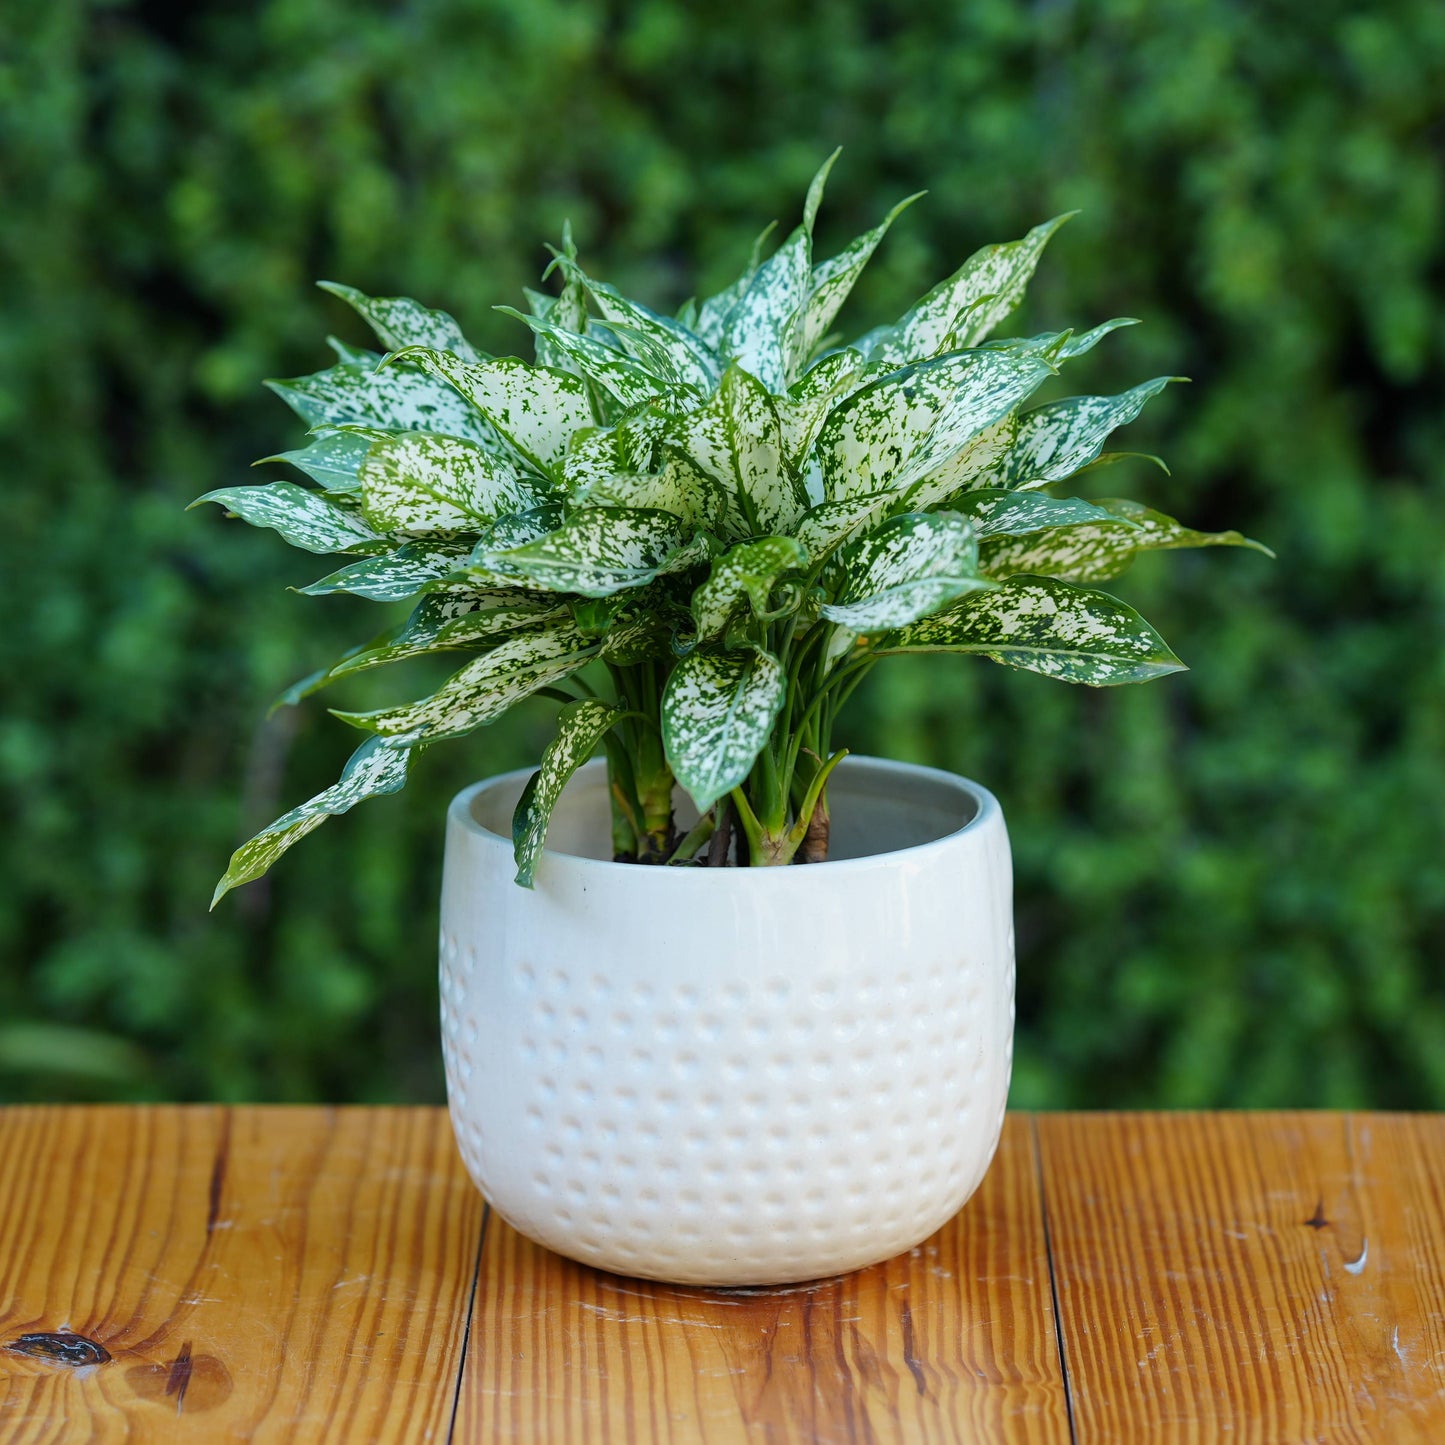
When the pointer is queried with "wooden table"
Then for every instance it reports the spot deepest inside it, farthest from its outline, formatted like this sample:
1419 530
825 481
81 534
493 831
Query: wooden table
267 1274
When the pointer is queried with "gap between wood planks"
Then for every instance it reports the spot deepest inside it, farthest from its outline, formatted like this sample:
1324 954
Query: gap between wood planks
1053 1279
467 1330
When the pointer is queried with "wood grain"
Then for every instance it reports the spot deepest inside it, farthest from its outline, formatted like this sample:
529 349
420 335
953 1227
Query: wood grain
254 1274
313 1275
954 1342
1271 1278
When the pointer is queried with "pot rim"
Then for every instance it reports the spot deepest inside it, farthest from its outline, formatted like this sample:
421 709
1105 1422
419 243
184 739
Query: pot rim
986 812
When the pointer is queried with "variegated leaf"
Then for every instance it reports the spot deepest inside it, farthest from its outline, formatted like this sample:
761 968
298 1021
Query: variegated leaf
623 380
332 459
758 332
653 337
396 399
516 529
417 482
436 626
533 409
999 273
1070 345
717 713
1098 550
597 551
696 553
394 576
748 572
323 677
349 355
1057 439
580 727
305 519
376 767
999 513
681 487
628 446
910 422
1041 625
911 566
829 524
737 439
567 311
401 322
710 315
809 400
648 637
970 466
833 279
762 329
486 687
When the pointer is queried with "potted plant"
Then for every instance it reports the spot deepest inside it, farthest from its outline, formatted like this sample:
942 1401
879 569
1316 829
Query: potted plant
698 534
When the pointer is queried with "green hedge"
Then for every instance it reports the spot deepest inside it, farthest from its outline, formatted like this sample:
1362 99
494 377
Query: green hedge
1230 887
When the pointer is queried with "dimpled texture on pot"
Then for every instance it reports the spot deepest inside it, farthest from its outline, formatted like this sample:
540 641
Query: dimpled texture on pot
730 1077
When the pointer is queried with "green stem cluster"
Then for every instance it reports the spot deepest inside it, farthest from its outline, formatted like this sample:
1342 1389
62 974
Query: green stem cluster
781 811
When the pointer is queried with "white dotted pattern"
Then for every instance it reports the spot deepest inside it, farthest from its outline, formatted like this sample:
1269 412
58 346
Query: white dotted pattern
784 1125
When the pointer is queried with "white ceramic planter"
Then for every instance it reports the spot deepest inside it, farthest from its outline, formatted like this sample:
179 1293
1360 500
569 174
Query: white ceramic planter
732 1076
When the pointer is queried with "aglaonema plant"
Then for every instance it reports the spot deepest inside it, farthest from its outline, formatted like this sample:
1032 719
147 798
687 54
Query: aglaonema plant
699 533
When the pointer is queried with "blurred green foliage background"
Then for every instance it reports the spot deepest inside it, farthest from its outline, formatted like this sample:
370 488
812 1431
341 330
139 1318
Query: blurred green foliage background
1230 887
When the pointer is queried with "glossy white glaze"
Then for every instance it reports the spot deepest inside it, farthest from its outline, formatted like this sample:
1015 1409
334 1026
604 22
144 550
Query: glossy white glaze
732 1076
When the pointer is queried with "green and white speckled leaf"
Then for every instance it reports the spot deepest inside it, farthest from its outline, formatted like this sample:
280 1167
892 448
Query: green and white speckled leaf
970 466
305 519
717 712
395 399
645 637
373 769
809 400
1057 439
1098 550
829 524
758 333
400 322
709 316
350 355
999 273
417 483
748 572
629 446
394 576
517 528
651 337
333 459
831 282
909 423
999 513
580 727
1041 625
1066 346
911 566
568 312
436 625
597 551
737 439
624 382
681 487
533 409
486 687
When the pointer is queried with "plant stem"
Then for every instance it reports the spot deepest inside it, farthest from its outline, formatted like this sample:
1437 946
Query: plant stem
717 851
701 831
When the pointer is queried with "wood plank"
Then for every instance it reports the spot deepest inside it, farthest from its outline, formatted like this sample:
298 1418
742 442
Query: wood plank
954 1342
1250 1277
253 1274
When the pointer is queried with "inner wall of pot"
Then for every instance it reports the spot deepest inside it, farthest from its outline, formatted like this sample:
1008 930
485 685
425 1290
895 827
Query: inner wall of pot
875 808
